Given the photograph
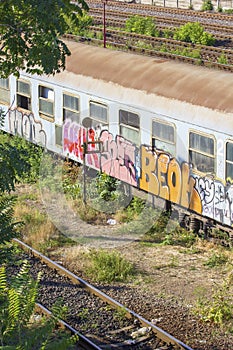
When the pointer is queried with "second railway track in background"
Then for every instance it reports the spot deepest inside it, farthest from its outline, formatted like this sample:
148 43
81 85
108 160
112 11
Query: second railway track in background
152 10
102 322
218 56
163 22
209 55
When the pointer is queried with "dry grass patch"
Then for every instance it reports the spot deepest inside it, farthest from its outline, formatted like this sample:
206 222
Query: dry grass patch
37 228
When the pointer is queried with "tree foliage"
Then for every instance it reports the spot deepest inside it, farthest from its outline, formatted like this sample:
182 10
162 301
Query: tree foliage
19 162
82 24
194 33
30 34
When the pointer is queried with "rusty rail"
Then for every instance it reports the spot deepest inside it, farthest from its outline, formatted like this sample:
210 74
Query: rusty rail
158 332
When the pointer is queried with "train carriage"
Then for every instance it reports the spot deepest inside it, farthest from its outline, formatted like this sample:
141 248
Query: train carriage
165 127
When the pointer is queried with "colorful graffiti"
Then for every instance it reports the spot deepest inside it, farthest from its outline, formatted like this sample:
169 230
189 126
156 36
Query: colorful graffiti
153 171
118 158
25 125
74 138
163 176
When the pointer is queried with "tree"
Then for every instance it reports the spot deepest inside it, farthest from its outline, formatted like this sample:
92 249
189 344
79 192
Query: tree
30 34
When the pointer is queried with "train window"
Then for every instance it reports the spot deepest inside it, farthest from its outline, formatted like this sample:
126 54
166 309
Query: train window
58 135
70 108
129 126
163 136
201 152
46 102
4 90
99 115
23 95
229 161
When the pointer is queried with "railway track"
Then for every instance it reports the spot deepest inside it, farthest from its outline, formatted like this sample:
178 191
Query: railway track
164 22
209 57
150 10
83 342
100 321
206 52
218 56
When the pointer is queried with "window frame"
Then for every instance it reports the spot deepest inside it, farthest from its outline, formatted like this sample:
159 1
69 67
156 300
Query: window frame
70 109
209 136
227 161
164 122
28 96
42 114
99 103
130 127
6 92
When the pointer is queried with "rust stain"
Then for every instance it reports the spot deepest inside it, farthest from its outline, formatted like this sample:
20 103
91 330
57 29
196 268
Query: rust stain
196 85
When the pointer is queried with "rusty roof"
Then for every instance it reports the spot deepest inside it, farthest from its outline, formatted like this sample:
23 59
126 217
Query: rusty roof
193 84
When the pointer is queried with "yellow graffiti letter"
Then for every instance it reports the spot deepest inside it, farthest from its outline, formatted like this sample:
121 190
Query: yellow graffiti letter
163 161
148 180
174 181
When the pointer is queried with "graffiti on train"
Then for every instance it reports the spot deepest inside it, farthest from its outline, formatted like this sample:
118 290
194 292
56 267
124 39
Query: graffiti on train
74 138
118 158
163 176
25 125
216 198
151 170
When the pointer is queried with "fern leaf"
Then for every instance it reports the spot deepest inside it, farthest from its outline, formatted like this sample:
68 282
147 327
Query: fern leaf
3 280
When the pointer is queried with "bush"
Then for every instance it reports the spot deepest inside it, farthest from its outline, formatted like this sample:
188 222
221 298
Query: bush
219 308
24 155
228 11
207 5
106 193
141 25
222 59
194 33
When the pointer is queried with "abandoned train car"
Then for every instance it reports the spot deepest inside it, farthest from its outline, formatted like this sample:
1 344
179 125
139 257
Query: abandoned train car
165 127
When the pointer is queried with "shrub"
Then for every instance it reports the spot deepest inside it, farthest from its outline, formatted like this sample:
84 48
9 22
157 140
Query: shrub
219 308
106 193
24 155
222 59
194 33
141 25
216 260
207 5
228 11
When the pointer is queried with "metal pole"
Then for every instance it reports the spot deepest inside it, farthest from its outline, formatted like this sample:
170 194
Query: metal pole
104 25
85 151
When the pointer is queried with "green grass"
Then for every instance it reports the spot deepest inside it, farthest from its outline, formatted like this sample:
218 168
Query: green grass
109 267
216 259
218 307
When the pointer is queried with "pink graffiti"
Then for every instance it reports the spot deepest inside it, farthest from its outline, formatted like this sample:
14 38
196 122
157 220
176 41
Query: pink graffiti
118 158
74 138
